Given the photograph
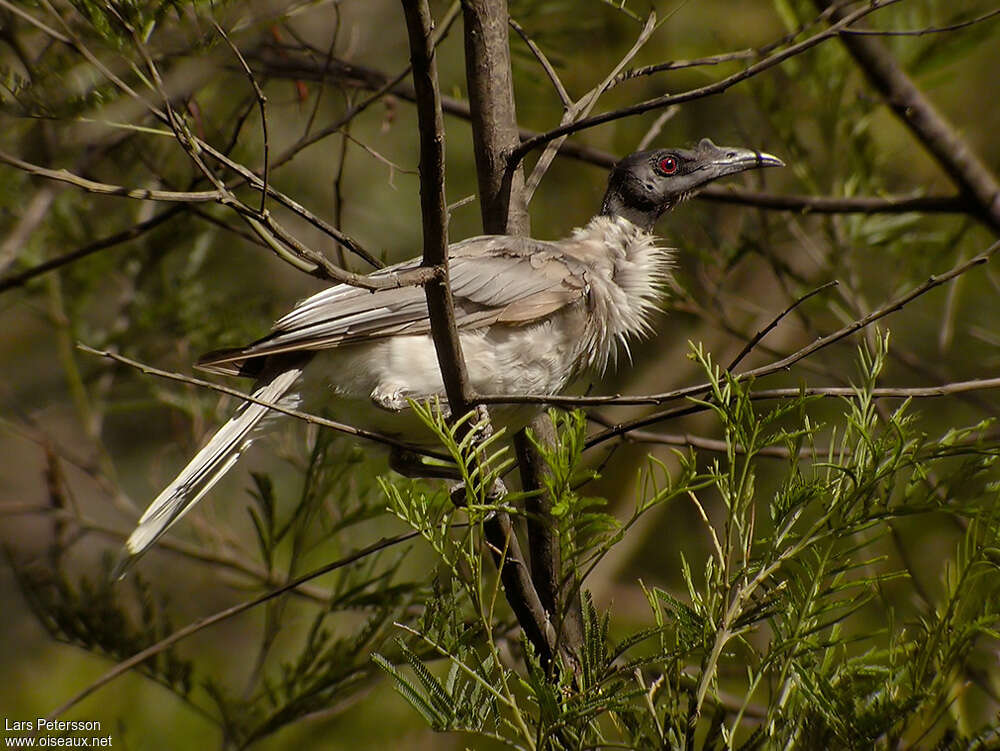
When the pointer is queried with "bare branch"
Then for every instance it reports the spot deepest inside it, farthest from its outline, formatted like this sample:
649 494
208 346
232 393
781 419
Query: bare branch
504 211
202 623
950 389
783 364
381 84
264 225
557 84
106 189
917 112
882 392
434 206
724 57
34 21
493 116
225 561
33 212
715 445
262 103
583 107
297 414
774 322
836 205
927 30
885 392
20 279
656 128
704 91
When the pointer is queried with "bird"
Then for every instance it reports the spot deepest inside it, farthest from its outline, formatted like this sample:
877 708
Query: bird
532 316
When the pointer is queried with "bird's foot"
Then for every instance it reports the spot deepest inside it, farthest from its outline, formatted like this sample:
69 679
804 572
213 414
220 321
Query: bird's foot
412 464
390 398
481 423
460 496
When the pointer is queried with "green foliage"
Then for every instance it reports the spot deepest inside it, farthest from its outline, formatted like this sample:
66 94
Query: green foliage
310 668
94 614
773 643
825 579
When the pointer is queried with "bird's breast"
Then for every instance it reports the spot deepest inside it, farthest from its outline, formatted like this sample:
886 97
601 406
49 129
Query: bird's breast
368 384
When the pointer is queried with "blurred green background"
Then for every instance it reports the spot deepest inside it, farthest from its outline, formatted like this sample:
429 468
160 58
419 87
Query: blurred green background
191 285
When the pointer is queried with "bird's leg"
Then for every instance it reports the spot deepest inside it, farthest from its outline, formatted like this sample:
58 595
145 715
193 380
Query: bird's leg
482 426
411 464
481 423
390 398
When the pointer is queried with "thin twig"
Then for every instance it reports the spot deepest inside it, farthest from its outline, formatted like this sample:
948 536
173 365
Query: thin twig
942 141
308 259
299 415
884 392
230 563
704 91
903 392
657 127
93 186
262 103
755 340
580 109
35 22
714 445
223 615
838 205
924 31
783 364
20 279
550 71
724 57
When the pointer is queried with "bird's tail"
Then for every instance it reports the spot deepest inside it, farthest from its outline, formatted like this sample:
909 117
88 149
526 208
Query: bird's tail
205 469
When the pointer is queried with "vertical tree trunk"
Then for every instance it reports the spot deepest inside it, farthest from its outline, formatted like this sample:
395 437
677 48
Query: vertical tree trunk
502 202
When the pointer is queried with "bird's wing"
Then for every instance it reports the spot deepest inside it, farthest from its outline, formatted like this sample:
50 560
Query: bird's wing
494 279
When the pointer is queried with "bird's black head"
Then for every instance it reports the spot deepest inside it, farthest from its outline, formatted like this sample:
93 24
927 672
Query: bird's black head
646 184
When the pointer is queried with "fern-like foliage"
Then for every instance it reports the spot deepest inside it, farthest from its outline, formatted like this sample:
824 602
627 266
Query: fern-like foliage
776 639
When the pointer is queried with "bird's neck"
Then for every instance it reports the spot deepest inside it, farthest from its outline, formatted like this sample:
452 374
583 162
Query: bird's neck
642 214
628 270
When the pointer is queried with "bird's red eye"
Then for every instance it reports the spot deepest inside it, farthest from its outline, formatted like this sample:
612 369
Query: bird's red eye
668 165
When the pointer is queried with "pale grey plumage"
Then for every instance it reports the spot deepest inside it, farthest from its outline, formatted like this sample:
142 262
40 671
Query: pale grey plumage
494 279
532 315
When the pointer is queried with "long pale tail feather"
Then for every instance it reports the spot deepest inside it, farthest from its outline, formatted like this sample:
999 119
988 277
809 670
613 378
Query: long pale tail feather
205 469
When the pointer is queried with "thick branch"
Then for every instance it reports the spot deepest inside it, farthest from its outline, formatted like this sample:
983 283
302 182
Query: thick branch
543 537
434 207
917 112
494 122
502 203
351 74
704 91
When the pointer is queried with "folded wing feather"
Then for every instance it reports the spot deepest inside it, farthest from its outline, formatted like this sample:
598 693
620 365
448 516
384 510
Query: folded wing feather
507 280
